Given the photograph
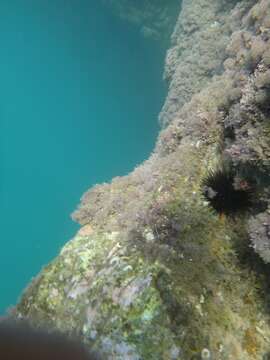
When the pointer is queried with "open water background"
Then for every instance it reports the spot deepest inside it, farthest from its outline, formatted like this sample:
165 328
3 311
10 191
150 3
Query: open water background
80 92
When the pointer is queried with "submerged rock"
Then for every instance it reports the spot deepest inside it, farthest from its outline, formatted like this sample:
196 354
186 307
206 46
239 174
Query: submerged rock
155 273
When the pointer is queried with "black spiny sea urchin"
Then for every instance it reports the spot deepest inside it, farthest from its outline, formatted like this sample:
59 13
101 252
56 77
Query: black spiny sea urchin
226 192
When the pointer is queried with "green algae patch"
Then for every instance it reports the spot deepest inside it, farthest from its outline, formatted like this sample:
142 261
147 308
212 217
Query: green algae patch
69 276
98 293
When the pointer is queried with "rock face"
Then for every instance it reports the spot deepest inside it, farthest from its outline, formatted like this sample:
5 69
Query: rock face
198 50
154 272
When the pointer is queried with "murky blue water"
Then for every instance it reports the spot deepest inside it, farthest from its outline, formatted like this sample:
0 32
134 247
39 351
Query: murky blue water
80 94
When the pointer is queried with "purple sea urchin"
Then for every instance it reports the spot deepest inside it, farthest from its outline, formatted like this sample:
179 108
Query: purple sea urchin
226 192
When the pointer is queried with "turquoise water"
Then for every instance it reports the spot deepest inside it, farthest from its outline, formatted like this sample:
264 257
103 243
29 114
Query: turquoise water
80 94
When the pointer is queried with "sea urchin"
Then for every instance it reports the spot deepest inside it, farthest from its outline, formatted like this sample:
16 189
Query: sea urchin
226 192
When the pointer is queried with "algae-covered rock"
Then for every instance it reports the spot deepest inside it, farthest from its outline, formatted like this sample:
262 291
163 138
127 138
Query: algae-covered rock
199 42
155 272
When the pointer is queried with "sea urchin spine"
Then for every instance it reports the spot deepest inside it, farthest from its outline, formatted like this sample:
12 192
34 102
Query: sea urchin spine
226 192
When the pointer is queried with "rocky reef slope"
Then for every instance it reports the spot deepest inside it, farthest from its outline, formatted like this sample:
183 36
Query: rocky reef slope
163 266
